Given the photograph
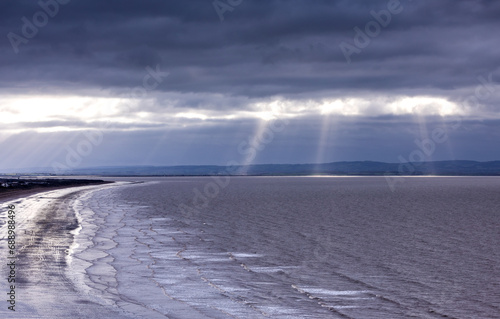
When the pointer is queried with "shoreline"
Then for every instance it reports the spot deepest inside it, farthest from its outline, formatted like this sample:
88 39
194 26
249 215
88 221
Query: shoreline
43 240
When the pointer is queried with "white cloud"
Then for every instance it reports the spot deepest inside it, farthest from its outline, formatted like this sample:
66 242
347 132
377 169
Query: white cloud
75 112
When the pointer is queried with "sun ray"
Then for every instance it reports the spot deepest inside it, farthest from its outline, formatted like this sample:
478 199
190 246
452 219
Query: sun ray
254 145
323 141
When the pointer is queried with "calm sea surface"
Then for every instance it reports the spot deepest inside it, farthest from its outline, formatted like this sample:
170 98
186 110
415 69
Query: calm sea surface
294 247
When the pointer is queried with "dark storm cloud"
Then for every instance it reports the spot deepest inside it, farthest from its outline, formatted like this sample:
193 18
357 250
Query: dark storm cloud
262 48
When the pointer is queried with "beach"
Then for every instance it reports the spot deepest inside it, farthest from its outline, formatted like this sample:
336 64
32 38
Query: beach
43 240
62 269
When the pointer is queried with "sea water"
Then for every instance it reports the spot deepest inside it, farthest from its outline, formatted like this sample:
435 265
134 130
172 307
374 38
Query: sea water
287 247
293 247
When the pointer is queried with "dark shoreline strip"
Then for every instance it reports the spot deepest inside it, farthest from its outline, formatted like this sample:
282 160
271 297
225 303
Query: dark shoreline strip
15 193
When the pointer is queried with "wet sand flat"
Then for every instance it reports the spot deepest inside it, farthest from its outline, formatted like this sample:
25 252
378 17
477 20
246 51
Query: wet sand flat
42 244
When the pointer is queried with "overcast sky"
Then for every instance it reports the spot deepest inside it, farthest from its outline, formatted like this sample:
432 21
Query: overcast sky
120 82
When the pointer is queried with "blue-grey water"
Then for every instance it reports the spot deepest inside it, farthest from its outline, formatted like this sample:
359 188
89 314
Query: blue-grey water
291 247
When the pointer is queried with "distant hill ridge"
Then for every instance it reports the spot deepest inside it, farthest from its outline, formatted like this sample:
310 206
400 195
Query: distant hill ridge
367 168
